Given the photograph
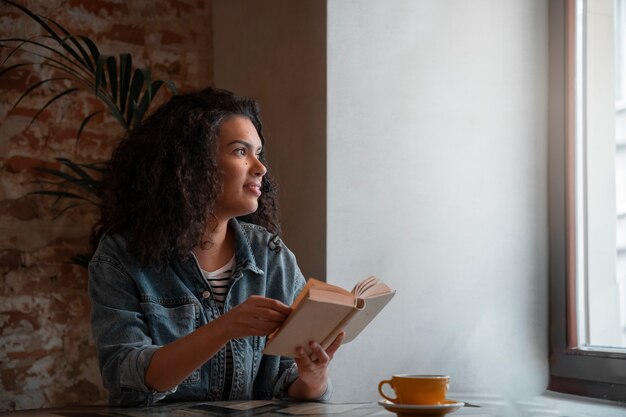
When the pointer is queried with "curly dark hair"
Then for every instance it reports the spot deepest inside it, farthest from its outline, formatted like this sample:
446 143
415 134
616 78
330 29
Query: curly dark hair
162 180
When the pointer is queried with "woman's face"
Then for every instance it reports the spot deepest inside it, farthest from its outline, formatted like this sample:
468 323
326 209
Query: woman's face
239 147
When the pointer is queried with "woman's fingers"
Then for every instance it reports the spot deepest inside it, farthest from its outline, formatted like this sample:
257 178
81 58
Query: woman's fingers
303 360
259 328
271 304
267 309
266 314
257 316
321 355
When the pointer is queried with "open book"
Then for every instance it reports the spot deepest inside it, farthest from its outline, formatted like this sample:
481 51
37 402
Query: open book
322 311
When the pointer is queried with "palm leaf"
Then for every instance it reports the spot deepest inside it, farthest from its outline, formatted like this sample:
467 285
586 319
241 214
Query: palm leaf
59 174
100 79
30 41
59 65
95 52
69 207
52 100
172 87
146 100
61 194
126 64
84 123
47 28
34 86
102 95
7 69
86 61
101 167
75 167
127 93
136 86
112 73
14 50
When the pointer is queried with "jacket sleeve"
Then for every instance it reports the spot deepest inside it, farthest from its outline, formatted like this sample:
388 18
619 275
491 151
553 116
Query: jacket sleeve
122 337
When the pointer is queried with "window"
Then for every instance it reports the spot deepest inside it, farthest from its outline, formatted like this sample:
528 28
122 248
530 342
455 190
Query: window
587 154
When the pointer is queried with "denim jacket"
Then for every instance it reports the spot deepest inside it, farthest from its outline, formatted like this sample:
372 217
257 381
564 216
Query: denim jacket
136 310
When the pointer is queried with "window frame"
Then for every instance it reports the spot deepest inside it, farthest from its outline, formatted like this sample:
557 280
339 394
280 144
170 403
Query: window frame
574 370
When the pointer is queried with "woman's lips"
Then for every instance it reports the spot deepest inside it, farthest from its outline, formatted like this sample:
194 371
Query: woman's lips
253 188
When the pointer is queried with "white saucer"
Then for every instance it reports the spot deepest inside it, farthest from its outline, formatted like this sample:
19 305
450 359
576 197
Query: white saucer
448 406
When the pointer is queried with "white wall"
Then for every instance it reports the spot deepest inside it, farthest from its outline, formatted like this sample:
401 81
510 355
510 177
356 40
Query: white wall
437 140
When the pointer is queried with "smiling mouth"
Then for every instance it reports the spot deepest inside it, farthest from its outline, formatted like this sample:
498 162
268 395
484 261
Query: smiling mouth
253 188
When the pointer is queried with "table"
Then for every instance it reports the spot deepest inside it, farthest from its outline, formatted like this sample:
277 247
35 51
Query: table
230 409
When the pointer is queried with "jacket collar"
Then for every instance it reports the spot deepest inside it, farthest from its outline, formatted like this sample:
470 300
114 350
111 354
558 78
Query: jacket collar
243 251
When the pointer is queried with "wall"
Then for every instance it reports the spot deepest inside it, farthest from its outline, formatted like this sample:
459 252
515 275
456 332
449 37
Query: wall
275 51
437 139
47 356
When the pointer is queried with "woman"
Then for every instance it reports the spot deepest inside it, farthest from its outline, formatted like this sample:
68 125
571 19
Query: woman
189 274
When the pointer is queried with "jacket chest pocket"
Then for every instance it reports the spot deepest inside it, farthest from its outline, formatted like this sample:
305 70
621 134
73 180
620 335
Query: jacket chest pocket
167 323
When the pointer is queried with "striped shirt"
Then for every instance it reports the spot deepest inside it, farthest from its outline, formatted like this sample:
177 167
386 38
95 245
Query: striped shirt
219 281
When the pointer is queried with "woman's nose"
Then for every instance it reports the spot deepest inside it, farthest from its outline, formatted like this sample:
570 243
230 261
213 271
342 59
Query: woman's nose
259 169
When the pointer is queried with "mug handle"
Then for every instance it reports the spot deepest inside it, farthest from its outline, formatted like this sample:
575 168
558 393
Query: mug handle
380 390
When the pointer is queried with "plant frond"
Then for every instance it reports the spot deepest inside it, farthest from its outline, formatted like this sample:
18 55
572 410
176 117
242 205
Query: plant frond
52 100
71 206
84 123
101 167
74 167
14 50
7 69
47 28
59 174
112 73
95 52
134 92
83 180
86 60
34 86
172 87
61 194
126 64
146 100
60 66
31 41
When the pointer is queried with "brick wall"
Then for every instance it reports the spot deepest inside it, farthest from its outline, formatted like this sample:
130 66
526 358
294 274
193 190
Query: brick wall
47 355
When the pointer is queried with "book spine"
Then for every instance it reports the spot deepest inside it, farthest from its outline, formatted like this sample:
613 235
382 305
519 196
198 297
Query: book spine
333 335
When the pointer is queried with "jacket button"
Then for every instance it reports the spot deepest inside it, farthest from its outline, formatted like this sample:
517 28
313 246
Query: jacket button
206 294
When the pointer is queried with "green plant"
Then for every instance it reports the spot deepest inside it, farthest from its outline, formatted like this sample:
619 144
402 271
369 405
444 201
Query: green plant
126 93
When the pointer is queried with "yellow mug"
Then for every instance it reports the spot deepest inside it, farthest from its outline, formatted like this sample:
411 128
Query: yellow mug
417 389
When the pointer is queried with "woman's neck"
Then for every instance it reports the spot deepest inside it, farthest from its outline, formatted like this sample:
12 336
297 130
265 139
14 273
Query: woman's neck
220 251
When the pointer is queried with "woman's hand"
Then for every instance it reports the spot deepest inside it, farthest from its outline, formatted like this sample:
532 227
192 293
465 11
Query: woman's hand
313 373
257 316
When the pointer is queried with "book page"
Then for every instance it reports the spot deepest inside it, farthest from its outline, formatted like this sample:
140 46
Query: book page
373 306
379 289
322 294
312 282
364 284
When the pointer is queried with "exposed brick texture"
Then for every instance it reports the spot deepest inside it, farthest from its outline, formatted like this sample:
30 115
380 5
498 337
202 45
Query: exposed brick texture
47 354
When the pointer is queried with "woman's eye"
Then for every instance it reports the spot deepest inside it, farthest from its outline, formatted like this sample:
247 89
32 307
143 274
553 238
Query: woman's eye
240 151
